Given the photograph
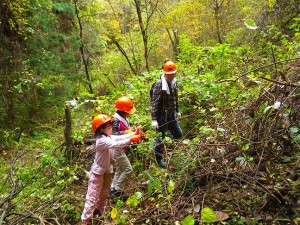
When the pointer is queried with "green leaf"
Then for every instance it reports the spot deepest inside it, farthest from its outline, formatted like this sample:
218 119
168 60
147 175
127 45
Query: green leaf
208 215
294 130
150 189
267 108
138 195
197 138
297 138
220 129
250 24
133 200
233 137
186 141
171 186
246 147
199 121
189 220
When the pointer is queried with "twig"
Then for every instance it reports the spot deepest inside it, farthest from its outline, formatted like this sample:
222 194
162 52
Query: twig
55 219
278 82
267 65
13 190
274 59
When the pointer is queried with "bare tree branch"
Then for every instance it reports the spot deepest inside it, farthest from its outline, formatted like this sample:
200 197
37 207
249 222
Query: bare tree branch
84 59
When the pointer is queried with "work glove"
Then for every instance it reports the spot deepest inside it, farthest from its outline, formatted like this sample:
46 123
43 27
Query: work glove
135 139
128 131
143 135
154 124
178 114
138 130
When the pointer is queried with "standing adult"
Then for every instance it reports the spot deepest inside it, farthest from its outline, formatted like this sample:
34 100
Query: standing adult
165 109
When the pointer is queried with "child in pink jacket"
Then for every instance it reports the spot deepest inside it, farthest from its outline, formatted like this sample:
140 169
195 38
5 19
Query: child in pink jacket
100 173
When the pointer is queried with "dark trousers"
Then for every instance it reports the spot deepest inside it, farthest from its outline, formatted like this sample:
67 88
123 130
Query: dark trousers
166 123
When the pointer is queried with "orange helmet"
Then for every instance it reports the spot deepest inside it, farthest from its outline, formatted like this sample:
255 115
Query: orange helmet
166 60
99 120
125 104
169 67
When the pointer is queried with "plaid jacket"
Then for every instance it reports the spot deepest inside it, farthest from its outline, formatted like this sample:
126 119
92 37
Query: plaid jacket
162 103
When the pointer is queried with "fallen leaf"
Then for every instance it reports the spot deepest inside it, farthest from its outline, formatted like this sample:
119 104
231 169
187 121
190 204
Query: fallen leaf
197 208
221 216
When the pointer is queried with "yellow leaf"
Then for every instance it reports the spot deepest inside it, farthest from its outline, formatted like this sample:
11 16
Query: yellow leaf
113 213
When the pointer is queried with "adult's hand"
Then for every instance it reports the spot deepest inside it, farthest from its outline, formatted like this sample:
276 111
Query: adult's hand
154 124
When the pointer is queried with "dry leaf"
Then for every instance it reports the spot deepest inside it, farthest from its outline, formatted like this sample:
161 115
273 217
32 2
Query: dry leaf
221 216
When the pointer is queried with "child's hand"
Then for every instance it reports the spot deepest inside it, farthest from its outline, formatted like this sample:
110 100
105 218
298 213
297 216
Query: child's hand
135 139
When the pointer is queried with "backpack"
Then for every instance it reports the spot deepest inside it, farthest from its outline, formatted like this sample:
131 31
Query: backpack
151 90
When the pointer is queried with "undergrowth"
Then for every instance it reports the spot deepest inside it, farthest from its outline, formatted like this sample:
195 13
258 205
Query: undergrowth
239 156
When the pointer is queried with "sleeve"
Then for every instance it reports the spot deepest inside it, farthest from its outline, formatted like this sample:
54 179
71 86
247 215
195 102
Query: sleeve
115 141
156 100
122 137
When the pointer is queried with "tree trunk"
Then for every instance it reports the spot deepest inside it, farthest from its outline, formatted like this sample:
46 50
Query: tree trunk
68 132
82 51
143 32
217 10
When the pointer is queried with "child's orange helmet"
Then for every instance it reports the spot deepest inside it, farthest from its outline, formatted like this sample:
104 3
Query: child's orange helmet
99 120
125 104
169 67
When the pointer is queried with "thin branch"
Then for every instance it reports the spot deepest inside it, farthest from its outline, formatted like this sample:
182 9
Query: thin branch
267 79
278 82
274 60
13 190
84 59
113 39
267 65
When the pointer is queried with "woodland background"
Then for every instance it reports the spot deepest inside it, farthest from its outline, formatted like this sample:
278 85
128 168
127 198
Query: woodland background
238 74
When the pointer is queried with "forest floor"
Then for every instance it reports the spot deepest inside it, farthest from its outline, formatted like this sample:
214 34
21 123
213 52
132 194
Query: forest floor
256 185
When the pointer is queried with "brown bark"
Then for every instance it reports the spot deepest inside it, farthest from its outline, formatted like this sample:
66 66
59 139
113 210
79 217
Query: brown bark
68 131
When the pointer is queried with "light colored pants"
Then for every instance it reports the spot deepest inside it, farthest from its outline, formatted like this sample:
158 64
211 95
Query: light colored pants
96 196
123 170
